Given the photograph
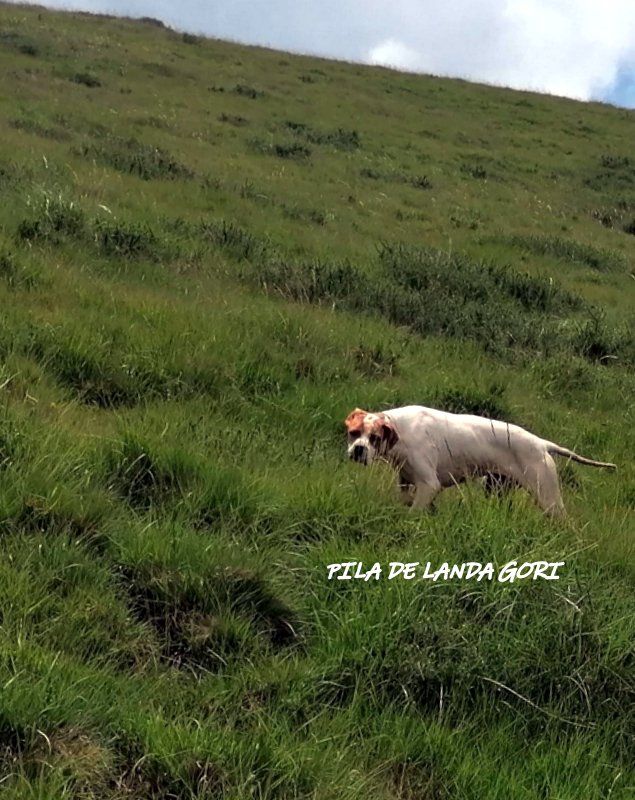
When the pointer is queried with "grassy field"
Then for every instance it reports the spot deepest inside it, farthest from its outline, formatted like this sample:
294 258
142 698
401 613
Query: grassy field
209 254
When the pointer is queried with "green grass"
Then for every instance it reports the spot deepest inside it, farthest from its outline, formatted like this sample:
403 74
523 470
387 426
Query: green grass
209 254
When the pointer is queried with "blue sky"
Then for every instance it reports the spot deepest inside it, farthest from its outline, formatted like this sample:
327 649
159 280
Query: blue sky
577 48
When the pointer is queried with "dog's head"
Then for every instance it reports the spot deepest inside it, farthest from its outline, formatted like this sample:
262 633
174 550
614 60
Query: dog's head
370 436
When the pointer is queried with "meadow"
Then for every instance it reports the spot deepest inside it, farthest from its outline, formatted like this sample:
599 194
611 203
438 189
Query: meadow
211 253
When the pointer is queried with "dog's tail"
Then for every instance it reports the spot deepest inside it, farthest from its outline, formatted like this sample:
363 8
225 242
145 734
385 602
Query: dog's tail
557 450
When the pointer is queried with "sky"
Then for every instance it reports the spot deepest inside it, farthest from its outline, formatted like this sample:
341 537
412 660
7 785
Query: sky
577 48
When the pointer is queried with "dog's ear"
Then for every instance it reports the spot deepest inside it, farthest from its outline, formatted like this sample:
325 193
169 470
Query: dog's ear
355 419
387 432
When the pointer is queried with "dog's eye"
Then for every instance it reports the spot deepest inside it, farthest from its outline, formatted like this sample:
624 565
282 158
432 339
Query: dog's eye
354 435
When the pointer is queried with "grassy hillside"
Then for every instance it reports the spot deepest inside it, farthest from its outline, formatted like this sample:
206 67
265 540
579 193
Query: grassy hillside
209 254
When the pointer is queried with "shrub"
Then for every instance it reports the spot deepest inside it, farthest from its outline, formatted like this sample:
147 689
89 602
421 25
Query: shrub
556 246
375 361
488 404
477 171
15 274
596 340
340 139
611 161
420 182
86 79
247 91
616 172
233 119
202 621
145 476
135 158
127 240
281 149
28 49
436 293
237 241
38 129
416 181
53 218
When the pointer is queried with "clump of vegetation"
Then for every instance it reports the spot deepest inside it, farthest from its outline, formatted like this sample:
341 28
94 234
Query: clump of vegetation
611 161
340 139
15 274
416 181
145 477
443 294
595 339
375 361
128 241
475 170
616 172
629 227
86 79
236 241
29 49
245 90
233 119
136 158
293 150
39 129
52 218
314 215
173 471
204 625
490 404
569 250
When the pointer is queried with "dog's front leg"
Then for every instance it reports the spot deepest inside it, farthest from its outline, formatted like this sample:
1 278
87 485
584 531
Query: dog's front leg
425 494
406 491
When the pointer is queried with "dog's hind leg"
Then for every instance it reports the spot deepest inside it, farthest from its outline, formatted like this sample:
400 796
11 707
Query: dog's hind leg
542 481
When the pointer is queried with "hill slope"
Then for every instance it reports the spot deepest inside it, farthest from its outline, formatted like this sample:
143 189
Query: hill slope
208 255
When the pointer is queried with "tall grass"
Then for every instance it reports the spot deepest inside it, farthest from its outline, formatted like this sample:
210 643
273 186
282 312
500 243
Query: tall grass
205 263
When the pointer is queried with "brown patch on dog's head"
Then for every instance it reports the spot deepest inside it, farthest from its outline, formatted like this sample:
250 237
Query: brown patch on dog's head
375 429
355 420
381 426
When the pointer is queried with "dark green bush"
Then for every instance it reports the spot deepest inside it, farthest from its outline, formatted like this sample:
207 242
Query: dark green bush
556 246
281 149
477 171
198 621
247 91
144 477
86 79
238 242
136 158
471 401
435 293
15 274
597 340
340 138
53 218
127 240
38 129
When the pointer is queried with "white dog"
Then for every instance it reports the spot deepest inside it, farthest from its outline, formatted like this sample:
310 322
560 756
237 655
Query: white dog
433 450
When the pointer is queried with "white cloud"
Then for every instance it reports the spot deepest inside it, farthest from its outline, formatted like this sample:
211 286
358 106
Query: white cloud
392 53
570 47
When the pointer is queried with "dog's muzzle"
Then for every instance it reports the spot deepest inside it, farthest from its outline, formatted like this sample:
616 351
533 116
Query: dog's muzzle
359 453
